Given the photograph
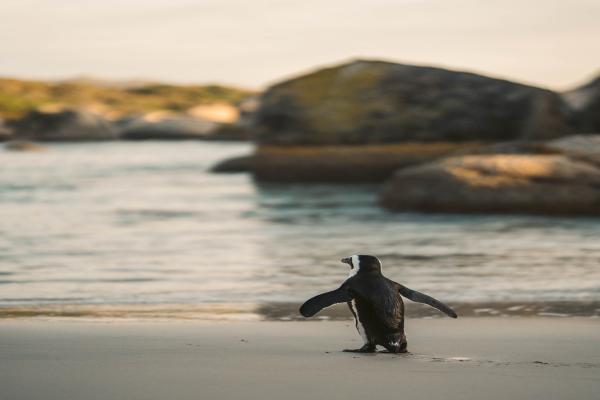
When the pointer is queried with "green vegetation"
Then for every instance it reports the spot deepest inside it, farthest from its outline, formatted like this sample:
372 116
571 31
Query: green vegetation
17 97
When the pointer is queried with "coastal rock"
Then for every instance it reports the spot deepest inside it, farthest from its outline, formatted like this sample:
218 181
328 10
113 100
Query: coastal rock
580 147
248 109
23 145
585 101
235 164
240 129
230 132
370 163
540 184
165 127
5 132
382 102
217 112
345 164
63 125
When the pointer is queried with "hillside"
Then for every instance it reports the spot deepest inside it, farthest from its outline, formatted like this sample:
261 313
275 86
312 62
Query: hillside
20 96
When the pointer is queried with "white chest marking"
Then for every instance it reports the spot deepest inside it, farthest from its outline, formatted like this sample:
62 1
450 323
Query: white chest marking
359 325
355 266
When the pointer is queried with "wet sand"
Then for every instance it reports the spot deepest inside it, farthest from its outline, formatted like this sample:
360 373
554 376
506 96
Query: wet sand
468 358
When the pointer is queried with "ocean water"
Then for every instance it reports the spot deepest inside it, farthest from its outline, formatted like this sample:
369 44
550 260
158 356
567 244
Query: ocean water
145 225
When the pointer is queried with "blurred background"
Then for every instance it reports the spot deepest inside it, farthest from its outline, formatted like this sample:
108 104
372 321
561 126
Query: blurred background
216 159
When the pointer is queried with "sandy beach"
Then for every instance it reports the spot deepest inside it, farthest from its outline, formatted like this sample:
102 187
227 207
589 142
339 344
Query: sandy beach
468 358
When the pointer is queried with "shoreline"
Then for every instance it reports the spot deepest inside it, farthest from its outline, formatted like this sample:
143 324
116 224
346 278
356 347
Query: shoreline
468 358
288 311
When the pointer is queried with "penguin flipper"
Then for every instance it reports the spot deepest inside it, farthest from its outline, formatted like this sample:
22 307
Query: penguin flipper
317 303
423 298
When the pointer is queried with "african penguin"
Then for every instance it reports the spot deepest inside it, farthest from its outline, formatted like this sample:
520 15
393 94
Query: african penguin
376 304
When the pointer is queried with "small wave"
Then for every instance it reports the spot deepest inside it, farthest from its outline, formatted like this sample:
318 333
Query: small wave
37 187
197 166
426 257
135 216
42 300
78 280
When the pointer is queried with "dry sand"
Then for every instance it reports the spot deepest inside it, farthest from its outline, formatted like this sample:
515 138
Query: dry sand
468 358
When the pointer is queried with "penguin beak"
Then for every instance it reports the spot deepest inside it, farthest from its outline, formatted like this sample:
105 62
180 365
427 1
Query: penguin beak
347 260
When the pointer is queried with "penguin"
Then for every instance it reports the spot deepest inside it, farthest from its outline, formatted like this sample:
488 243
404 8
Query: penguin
376 304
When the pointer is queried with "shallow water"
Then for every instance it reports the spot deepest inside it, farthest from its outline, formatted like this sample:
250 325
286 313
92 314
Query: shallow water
146 223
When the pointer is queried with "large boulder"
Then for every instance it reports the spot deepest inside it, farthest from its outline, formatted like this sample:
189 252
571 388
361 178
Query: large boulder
63 125
585 101
541 184
381 102
165 126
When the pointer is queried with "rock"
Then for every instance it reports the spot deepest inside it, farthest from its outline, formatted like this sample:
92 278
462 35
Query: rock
539 184
381 102
5 132
248 108
585 101
23 145
344 164
165 127
511 147
230 132
217 112
235 164
369 163
241 129
581 147
64 125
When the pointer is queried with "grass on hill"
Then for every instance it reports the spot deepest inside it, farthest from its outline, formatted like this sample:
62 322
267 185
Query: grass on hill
17 97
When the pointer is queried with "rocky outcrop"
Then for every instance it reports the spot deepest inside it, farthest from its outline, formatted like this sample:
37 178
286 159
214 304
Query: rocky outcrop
64 125
5 132
585 101
369 163
580 147
216 112
230 132
541 184
344 164
23 145
235 164
381 102
165 127
81 125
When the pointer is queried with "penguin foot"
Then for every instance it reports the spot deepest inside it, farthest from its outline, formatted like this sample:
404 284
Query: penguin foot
402 348
367 348
398 351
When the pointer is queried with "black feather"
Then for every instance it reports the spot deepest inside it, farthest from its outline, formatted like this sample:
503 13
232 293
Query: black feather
317 303
423 298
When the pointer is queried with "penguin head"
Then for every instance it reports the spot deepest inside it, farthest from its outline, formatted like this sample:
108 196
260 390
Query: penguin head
362 263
